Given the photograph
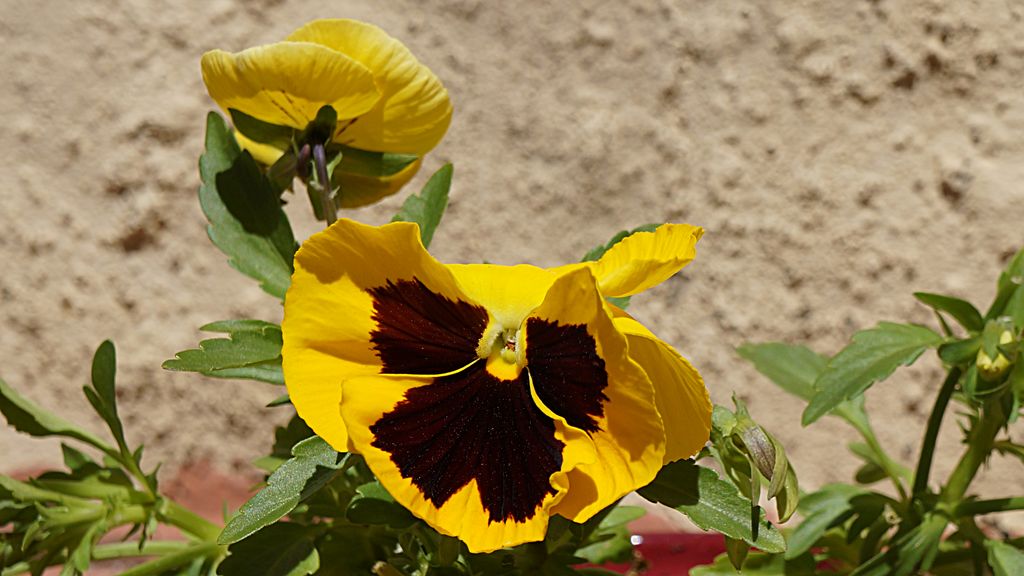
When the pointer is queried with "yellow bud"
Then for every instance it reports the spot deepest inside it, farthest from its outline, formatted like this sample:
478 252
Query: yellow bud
990 369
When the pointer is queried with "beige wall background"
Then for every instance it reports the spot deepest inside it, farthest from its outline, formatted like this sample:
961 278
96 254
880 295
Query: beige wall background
840 154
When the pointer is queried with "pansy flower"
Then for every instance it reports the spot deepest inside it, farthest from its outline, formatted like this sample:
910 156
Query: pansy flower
384 98
487 398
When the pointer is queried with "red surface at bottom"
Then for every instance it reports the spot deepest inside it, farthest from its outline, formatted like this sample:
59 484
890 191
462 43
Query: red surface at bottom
675 554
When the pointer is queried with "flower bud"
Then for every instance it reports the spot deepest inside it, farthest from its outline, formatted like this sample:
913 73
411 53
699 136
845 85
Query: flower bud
990 369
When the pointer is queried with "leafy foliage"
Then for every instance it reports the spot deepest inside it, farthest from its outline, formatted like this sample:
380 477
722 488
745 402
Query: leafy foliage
244 211
427 208
252 351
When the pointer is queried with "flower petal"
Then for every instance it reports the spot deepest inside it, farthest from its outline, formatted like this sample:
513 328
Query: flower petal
679 390
582 371
288 82
509 293
414 111
366 300
646 259
469 453
265 154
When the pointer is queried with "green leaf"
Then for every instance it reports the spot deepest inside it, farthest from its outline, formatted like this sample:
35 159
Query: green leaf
1009 281
712 504
791 367
1015 308
283 549
427 207
960 351
872 356
372 505
737 551
376 164
74 459
963 311
759 564
104 401
252 351
263 132
26 417
1005 560
820 509
311 467
611 541
246 220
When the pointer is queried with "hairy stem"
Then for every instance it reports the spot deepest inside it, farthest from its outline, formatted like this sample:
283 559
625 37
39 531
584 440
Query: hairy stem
979 446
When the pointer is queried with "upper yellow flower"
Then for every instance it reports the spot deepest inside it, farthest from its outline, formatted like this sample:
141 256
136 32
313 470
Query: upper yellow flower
486 398
386 101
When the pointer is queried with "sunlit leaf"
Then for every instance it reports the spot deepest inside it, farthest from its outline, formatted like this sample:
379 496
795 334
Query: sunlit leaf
963 311
820 509
246 220
252 351
1004 559
427 207
312 465
712 504
872 356
24 416
791 367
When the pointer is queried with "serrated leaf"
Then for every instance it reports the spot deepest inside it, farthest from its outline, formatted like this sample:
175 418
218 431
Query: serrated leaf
372 505
791 367
253 351
263 132
872 356
712 504
311 467
245 216
961 310
427 207
1004 559
26 417
283 549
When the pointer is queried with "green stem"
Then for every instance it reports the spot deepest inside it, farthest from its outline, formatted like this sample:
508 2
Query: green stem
174 560
324 180
893 469
177 515
979 446
931 434
975 507
131 549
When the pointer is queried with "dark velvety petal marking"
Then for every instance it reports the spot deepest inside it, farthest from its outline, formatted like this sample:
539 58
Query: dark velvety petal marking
421 332
473 426
568 374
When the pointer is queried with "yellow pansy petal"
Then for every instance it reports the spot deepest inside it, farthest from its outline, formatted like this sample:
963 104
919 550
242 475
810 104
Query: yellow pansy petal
263 153
362 301
288 82
359 190
509 293
468 453
679 390
414 111
582 371
646 259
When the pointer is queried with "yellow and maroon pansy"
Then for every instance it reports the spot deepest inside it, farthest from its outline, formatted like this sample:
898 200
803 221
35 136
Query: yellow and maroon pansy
487 398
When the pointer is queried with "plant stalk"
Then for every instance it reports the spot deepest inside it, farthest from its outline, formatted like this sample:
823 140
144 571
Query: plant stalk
324 180
180 517
174 560
931 434
979 446
976 507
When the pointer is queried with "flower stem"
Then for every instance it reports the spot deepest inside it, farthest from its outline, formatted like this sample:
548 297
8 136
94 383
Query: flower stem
931 434
324 180
174 560
131 549
180 517
979 447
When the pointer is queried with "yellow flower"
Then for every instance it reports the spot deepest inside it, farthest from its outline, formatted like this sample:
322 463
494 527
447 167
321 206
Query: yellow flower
487 398
385 100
